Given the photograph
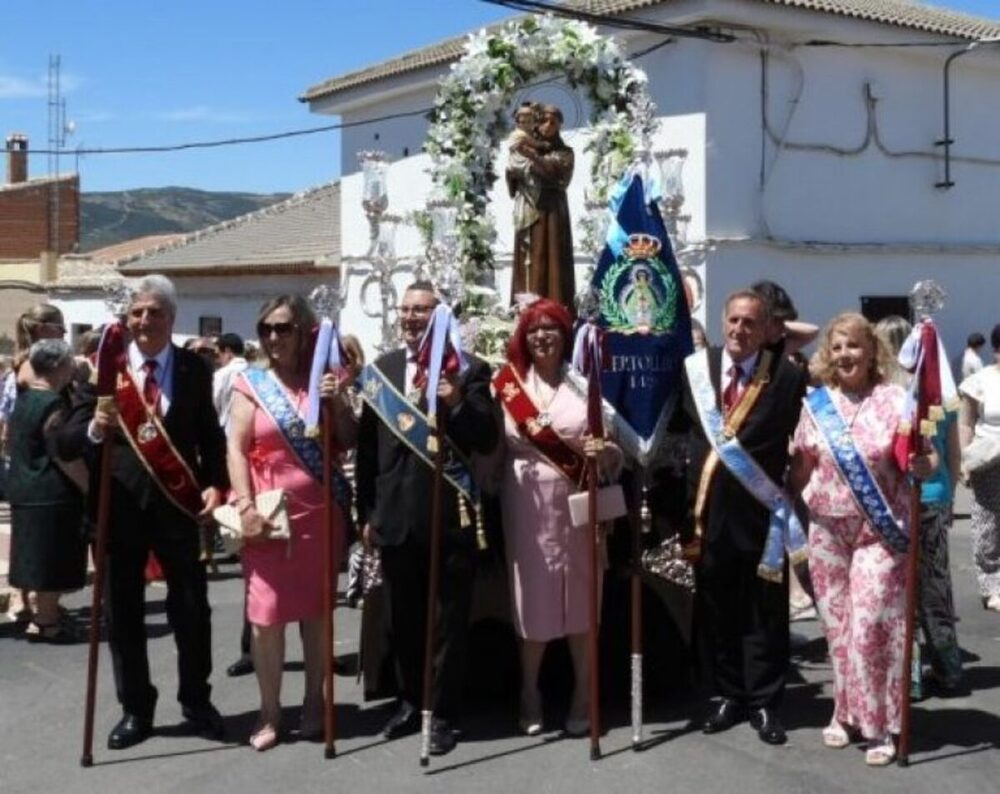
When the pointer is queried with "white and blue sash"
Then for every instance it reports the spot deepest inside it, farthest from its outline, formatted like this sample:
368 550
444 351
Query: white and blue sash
852 467
274 402
410 426
784 531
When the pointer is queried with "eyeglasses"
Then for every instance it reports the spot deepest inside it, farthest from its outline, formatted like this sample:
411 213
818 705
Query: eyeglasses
264 330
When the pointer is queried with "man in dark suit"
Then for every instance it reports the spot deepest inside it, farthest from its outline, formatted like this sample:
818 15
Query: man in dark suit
744 617
394 492
151 511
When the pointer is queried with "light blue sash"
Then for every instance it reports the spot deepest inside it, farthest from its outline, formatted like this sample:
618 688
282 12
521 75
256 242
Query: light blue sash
410 426
275 403
784 531
852 467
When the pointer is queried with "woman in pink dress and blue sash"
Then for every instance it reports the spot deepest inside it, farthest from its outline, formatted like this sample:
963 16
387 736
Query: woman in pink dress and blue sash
268 449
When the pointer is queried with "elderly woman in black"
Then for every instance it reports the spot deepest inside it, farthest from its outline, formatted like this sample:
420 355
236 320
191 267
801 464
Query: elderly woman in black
48 550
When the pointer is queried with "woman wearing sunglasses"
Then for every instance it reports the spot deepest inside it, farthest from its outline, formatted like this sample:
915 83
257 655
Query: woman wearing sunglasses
268 450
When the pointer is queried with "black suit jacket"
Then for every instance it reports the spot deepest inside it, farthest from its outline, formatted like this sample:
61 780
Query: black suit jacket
735 520
191 423
394 487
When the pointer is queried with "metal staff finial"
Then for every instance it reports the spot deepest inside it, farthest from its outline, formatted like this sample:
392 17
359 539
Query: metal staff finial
326 301
927 298
117 296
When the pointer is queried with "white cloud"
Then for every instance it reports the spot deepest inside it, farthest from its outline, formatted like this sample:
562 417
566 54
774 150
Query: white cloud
203 113
16 87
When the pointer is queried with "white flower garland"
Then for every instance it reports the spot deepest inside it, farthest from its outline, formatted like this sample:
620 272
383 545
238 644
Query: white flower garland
472 114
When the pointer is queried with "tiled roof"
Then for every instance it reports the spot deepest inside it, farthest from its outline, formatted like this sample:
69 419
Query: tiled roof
296 232
123 250
899 13
37 181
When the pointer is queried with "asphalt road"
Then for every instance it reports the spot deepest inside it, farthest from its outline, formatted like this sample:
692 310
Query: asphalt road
41 697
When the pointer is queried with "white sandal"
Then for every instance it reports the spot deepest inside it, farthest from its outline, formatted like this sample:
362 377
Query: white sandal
835 735
880 752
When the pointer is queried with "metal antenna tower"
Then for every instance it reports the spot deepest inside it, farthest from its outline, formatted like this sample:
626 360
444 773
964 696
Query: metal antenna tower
58 129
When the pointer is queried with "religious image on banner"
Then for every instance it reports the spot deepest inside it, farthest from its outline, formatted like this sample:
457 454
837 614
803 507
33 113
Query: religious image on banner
641 306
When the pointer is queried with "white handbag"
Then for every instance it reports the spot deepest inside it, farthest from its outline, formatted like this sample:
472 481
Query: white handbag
610 505
980 453
272 506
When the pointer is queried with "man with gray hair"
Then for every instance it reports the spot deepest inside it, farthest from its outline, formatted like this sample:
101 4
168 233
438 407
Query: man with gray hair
168 474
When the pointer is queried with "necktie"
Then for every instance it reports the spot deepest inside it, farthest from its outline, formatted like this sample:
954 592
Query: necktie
150 387
732 391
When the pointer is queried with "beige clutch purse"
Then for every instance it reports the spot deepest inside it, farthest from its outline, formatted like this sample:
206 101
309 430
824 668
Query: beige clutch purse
610 505
271 505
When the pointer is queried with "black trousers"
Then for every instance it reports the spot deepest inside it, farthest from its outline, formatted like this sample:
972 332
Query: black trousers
173 538
405 572
745 620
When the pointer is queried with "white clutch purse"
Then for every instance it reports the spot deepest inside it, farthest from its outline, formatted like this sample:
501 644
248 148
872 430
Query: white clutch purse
271 505
610 505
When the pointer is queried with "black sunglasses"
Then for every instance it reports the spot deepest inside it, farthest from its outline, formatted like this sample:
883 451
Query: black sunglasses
264 330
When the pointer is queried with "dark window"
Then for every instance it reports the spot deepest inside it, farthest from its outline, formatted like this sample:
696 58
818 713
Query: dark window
876 307
209 326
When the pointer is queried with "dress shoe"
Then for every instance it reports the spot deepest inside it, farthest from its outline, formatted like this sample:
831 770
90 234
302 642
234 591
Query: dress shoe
242 666
206 720
405 721
725 716
443 738
129 731
768 726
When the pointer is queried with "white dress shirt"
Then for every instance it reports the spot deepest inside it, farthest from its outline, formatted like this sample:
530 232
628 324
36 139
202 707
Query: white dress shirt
164 372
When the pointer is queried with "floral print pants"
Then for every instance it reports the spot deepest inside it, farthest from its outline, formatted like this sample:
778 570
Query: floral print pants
986 529
859 586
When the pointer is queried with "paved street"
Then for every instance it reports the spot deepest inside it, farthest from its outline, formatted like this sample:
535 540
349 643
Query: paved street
41 696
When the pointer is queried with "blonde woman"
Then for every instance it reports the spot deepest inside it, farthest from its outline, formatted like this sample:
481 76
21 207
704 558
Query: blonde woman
859 528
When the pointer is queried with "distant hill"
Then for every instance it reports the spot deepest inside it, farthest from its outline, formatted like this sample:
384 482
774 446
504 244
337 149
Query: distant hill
109 218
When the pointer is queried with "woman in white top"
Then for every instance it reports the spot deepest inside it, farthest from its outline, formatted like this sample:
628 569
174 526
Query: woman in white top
979 431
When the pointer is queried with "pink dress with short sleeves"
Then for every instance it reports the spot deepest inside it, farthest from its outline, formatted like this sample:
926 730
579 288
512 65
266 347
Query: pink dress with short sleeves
285 580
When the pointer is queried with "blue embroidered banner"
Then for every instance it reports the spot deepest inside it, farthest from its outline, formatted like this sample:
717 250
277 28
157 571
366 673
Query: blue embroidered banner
645 314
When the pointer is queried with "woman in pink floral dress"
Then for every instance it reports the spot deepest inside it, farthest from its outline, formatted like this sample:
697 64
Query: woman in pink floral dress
856 556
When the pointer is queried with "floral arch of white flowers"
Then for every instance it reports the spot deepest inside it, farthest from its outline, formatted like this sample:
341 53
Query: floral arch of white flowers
473 113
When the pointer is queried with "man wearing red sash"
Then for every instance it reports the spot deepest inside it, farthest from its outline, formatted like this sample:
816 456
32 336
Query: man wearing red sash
169 471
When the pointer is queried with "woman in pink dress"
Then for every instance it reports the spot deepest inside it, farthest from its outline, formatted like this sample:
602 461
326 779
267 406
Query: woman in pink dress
857 569
547 557
268 450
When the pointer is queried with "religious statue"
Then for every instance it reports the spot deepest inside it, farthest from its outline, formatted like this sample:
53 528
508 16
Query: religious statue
539 170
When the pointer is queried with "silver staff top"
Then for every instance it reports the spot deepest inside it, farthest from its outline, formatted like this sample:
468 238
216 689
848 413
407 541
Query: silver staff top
927 298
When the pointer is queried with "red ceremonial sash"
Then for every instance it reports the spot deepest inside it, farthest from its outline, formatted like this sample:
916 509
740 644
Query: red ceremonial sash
145 432
526 416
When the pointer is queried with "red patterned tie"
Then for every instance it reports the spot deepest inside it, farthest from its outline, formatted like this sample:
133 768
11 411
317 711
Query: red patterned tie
150 388
732 392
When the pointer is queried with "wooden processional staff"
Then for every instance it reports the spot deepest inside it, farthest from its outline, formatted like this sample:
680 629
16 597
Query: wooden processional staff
112 346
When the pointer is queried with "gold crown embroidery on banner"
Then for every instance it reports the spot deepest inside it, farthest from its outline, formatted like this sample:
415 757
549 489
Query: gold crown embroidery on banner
642 246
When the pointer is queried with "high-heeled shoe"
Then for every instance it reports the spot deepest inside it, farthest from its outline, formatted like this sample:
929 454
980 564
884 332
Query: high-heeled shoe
265 737
530 720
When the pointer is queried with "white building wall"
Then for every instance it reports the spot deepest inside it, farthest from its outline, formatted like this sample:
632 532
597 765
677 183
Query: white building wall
847 176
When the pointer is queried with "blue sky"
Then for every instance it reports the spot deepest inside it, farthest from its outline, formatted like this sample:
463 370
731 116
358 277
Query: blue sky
153 72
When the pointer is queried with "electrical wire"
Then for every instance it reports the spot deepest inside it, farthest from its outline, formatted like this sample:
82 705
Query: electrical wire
624 23
177 147
276 136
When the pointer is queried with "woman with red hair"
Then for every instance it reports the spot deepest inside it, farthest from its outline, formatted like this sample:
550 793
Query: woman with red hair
545 424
